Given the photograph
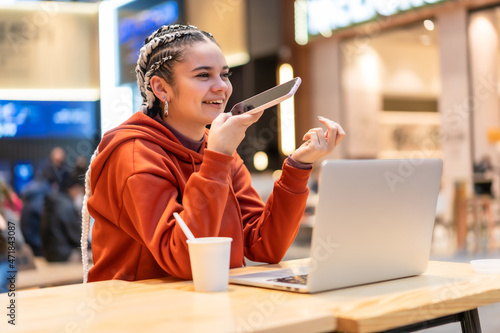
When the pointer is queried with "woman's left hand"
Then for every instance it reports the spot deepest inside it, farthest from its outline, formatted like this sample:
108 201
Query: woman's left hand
319 143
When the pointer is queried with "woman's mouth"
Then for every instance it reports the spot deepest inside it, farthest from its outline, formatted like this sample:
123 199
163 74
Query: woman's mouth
217 102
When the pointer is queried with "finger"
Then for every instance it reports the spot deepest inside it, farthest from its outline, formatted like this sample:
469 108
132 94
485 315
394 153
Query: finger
222 117
307 135
330 124
219 120
322 137
340 134
312 139
316 138
334 130
247 118
331 129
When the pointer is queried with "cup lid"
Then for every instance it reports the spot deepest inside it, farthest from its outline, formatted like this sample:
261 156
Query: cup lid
210 240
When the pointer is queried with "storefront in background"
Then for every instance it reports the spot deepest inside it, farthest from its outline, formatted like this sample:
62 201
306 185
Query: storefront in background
407 79
49 85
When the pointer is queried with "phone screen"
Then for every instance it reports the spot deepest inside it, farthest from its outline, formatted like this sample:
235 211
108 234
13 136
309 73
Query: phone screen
267 98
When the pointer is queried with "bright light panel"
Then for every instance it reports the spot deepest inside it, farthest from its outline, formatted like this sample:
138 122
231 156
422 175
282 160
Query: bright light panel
287 114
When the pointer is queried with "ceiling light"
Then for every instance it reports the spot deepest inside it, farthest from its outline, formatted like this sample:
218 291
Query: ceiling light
429 25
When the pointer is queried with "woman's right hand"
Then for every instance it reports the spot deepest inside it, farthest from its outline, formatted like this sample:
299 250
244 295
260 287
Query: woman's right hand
227 131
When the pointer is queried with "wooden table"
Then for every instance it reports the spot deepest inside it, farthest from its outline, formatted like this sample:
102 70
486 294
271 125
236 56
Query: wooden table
51 274
171 305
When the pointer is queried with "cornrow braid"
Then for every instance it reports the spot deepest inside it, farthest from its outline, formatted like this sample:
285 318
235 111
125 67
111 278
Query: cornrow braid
161 47
143 76
149 92
86 221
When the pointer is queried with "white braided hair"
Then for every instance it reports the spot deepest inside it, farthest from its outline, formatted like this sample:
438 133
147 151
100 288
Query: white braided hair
86 221
160 37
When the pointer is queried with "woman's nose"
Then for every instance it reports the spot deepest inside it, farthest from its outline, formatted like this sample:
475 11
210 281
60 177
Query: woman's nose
221 84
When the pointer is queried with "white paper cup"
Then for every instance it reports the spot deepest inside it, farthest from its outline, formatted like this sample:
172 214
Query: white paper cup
209 258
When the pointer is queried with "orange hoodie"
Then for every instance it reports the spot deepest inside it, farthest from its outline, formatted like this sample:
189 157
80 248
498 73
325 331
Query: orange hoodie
143 174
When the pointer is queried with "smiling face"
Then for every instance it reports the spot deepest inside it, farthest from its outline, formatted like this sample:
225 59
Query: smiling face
200 89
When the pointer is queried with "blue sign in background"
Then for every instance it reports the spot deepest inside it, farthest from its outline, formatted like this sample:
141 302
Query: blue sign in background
137 21
48 119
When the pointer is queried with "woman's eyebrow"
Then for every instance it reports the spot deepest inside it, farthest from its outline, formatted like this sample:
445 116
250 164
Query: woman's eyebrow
201 68
208 68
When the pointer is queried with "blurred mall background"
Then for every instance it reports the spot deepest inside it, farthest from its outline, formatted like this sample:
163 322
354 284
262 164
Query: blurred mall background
406 79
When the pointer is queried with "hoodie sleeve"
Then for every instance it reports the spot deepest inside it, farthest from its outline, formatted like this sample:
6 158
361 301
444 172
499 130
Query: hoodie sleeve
269 231
149 218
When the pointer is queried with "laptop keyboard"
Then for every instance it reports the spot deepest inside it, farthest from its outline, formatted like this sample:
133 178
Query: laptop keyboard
294 279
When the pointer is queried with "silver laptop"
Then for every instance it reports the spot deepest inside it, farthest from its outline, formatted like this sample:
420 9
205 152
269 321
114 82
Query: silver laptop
374 221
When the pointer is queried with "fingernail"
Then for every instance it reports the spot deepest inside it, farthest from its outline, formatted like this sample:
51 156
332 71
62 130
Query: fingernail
320 118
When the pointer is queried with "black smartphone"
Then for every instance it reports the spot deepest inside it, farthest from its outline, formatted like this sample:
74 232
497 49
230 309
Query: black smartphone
267 98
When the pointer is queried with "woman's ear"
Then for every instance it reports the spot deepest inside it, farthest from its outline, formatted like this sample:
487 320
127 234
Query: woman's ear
159 87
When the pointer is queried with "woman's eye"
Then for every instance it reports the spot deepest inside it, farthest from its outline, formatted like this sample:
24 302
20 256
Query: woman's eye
204 75
227 75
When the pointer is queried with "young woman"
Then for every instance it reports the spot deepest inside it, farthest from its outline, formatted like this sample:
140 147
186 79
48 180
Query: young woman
163 160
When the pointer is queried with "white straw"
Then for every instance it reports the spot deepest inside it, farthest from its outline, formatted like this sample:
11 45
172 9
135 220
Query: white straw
184 227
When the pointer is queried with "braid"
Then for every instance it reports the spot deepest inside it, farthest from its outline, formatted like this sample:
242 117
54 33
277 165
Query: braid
162 47
86 221
149 92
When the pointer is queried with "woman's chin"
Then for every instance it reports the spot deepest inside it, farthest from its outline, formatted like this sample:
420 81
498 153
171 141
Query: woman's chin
212 114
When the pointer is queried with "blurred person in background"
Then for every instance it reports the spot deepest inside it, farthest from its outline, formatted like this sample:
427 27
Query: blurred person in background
54 176
164 160
33 196
60 226
56 171
10 200
10 205
4 259
78 172
10 212
11 239
483 176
